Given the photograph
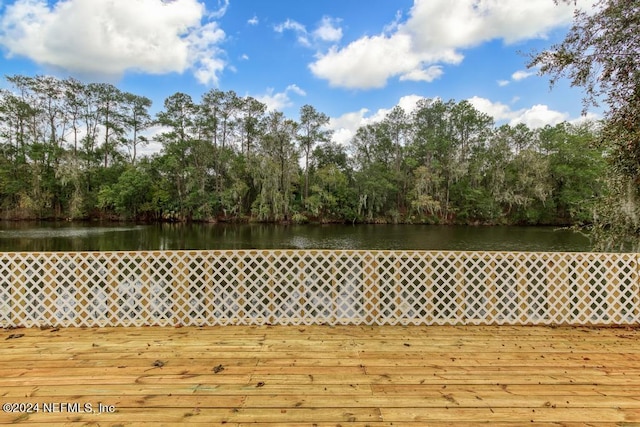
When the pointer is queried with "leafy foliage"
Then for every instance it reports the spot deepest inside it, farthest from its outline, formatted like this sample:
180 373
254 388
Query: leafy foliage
71 150
600 54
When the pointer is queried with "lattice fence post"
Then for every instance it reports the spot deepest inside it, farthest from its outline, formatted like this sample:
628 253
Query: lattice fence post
243 315
559 288
612 286
396 283
79 292
338 279
581 290
179 296
636 289
521 279
370 264
491 283
6 291
112 289
459 285
14 317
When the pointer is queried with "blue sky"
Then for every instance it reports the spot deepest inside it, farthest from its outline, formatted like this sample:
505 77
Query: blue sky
351 59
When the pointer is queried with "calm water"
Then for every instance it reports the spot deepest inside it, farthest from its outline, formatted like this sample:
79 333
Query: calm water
101 237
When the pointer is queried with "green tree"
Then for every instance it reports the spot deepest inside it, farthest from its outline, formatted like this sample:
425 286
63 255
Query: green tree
110 109
42 141
136 119
312 123
499 153
276 168
396 128
330 196
73 105
130 195
435 147
600 54
469 130
251 120
179 116
375 180
331 153
575 167
421 196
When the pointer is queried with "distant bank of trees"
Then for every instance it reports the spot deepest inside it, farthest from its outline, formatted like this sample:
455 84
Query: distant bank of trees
71 150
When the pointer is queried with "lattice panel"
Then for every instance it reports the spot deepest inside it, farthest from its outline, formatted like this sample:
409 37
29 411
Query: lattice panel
317 287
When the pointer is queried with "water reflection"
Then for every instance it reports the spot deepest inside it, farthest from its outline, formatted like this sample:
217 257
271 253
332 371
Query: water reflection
61 232
305 242
110 237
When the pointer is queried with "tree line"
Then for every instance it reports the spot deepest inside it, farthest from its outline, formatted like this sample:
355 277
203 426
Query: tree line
600 55
71 150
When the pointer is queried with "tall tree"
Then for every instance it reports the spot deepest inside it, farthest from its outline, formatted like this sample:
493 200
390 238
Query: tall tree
136 119
73 106
251 118
600 54
231 107
575 168
312 132
277 167
179 116
110 101
374 176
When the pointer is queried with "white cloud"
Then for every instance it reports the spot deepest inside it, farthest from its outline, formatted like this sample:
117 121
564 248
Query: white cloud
393 26
435 33
497 110
345 127
368 62
589 117
154 146
539 116
409 102
534 117
522 74
108 38
420 75
223 5
204 54
280 100
516 77
328 30
295 89
290 24
296 27
253 21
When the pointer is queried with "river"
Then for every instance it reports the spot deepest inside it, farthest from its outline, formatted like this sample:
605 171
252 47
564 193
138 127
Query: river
29 237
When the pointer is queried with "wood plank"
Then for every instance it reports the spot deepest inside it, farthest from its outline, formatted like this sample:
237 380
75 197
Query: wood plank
211 416
579 359
105 390
171 371
440 398
512 415
335 332
511 389
360 375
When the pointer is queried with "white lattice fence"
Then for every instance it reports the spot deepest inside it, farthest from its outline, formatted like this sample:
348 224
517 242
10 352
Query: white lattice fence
317 287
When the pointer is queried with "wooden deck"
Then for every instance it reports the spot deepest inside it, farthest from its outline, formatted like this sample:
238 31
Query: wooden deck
321 375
